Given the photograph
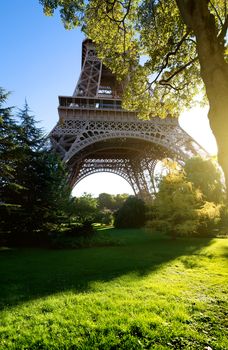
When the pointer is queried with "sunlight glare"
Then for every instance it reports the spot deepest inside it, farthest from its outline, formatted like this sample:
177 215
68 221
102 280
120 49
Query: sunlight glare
195 122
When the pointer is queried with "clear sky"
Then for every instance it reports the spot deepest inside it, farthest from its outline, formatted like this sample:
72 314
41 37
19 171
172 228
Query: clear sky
40 60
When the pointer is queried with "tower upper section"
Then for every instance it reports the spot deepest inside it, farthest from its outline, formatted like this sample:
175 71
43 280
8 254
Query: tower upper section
95 79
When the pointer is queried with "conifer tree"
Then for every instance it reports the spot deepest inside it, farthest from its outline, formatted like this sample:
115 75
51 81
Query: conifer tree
9 157
33 179
42 176
9 149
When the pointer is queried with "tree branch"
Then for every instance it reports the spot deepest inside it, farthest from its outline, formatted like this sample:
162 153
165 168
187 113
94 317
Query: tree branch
175 88
120 22
217 14
165 81
222 34
172 53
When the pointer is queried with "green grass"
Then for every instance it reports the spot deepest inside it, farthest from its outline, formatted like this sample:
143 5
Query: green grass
149 292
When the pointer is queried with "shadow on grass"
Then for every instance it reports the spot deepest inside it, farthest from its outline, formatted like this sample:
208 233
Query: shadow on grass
28 274
225 252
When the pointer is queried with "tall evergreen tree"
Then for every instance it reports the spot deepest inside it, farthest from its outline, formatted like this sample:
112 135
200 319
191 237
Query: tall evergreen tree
9 149
9 157
41 193
31 136
42 176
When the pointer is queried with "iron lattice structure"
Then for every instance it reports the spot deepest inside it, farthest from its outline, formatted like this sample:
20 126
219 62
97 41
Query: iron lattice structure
94 134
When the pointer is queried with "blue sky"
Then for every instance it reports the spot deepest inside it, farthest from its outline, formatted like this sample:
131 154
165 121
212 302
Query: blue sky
40 60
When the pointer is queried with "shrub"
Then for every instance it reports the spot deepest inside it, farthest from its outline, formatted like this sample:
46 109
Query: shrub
209 218
181 208
105 216
131 214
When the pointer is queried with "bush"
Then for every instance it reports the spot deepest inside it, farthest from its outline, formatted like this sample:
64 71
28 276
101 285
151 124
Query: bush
181 209
131 214
105 217
209 219
176 205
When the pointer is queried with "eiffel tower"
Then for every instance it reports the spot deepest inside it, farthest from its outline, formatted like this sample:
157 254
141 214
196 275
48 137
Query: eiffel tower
95 134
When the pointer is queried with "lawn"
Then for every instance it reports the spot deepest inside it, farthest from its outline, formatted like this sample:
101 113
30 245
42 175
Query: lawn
146 292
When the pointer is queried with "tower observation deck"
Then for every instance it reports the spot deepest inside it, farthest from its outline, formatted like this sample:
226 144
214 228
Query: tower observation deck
95 134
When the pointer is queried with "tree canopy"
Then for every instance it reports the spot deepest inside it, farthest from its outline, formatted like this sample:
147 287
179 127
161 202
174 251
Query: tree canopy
110 201
163 52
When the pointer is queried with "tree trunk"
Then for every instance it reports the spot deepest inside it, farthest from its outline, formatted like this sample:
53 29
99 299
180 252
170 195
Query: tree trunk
213 70
218 117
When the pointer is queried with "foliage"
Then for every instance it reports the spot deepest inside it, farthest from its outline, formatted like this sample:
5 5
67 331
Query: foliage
209 217
104 216
10 156
107 205
184 207
207 177
131 214
106 201
85 208
10 153
176 205
110 201
120 200
149 292
35 192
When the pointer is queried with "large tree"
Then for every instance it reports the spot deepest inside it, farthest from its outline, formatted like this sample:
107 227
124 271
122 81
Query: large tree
164 52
